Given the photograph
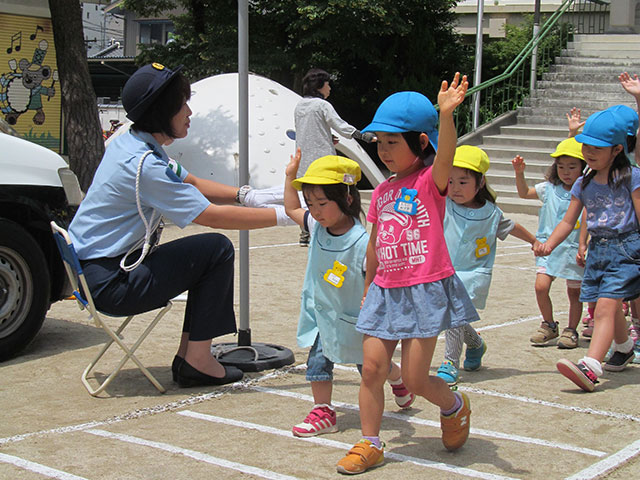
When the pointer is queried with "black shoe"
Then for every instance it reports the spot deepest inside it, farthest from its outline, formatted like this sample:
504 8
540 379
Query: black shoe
618 361
190 377
175 365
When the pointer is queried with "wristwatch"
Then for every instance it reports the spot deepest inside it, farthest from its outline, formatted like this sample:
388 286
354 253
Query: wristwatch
242 192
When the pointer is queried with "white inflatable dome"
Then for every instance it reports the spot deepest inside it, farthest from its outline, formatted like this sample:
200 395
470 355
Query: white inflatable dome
210 150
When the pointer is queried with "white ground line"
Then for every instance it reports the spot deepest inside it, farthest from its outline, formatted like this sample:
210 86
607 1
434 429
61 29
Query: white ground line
38 468
341 445
419 421
143 412
603 413
608 464
202 457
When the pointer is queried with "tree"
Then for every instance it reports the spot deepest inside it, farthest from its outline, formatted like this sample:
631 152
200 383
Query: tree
373 47
81 121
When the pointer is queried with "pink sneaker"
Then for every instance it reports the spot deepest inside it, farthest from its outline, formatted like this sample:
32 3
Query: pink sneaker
404 398
587 331
322 419
634 332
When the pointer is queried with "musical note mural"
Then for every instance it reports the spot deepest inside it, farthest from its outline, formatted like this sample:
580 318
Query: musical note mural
29 90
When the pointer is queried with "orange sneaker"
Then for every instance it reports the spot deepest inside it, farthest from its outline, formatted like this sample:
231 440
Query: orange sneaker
455 427
362 456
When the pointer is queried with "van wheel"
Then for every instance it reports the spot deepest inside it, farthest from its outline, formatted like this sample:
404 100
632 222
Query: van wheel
24 288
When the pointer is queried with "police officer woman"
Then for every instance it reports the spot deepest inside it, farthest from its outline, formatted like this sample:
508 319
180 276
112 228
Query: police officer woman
113 231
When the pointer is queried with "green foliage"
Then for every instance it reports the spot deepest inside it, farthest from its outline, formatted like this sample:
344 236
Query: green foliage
372 47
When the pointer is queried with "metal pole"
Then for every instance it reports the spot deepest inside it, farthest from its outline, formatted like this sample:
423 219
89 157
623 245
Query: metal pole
534 54
477 76
244 332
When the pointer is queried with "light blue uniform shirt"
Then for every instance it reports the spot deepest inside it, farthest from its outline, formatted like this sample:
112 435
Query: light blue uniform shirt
471 235
107 223
561 262
332 292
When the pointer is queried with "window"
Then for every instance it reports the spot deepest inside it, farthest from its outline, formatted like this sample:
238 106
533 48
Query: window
155 32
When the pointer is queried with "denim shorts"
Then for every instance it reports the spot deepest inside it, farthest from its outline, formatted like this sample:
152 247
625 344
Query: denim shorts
613 268
319 367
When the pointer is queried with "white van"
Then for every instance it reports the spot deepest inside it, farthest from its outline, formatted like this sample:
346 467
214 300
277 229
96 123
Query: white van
36 186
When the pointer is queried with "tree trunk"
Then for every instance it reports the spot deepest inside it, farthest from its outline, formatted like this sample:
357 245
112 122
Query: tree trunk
79 105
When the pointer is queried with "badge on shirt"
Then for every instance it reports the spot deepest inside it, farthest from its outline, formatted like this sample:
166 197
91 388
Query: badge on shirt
482 249
406 203
335 276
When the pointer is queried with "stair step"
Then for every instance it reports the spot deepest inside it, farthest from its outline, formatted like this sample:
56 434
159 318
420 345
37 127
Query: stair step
518 205
531 130
541 143
591 61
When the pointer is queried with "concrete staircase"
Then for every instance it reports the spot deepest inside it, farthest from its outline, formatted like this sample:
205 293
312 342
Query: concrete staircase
584 76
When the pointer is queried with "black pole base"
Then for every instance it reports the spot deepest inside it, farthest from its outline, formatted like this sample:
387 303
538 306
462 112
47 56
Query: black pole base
253 358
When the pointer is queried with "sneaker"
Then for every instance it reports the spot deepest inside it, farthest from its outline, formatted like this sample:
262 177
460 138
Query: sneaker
544 335
455 427
568 339
322 419
586 319
404 398
588 330
362 456
448 372
579 374
304 239
634 332
636 351
625 308
618 361
473 357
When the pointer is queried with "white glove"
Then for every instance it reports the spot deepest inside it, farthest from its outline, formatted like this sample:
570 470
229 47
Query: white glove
266 197
282 218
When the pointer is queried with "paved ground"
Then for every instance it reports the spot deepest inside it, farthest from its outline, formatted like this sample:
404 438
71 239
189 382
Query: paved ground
528 421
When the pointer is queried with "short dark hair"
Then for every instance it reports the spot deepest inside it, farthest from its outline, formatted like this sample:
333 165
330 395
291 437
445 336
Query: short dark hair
157 118
482 195
413 141
313 81
338 193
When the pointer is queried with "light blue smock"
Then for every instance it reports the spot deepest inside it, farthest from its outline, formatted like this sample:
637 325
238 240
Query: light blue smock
471 235
332 292
562 261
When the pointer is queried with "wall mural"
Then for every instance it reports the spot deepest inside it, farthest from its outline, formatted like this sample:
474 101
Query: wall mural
29 99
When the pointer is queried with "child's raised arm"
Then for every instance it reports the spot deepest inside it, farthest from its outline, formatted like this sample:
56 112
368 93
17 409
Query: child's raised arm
574 121
449 98
291 200
524 191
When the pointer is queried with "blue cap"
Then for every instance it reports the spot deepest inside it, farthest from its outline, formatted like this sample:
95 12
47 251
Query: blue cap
604 129
628 116
406 112
143 87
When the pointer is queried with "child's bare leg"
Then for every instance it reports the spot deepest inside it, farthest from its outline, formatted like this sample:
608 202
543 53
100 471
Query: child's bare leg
322 392
575 307
608 314
377 355
416 361
543 285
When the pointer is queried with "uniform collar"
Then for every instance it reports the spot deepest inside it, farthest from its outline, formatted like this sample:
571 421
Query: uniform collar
150 141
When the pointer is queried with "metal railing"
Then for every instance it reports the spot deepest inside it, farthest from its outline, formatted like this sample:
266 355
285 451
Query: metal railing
507 91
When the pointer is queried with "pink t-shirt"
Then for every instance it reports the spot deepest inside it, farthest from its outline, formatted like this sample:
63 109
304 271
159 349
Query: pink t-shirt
410 244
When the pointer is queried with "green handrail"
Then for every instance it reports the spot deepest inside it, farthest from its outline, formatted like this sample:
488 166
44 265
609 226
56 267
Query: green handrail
510 87
526 51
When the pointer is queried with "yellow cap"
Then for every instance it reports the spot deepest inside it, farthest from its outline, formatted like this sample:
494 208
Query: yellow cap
473 158
329 170
570 147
